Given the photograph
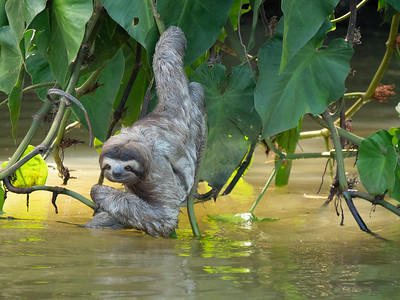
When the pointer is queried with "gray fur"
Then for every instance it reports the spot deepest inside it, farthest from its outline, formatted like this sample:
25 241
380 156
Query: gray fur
162 151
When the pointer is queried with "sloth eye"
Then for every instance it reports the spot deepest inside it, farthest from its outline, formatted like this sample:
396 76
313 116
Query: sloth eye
128 168
107 167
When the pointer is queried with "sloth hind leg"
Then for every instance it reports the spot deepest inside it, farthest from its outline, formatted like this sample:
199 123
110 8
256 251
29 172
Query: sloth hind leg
103 220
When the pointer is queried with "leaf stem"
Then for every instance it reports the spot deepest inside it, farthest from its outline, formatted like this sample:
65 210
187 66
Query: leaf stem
157 17
345 16
277 166
375 200
338 147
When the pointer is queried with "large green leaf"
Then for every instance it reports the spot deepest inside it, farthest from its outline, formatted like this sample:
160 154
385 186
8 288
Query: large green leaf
310 82
20 14
109 40
39 69
3 14
303 18
37 64
69 18
10 59
394 3
233 123
201 20
135 98
136 17
99 104
14 102
34 172
377 162
256 5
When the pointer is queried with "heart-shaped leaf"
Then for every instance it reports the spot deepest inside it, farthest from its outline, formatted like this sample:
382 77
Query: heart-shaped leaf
310 82
99 104
233 123
303 18
377 162
201 20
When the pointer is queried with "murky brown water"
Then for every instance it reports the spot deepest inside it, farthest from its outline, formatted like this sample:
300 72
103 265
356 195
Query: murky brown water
304 254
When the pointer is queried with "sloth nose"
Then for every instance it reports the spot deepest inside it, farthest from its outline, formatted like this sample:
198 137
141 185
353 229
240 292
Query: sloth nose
117 173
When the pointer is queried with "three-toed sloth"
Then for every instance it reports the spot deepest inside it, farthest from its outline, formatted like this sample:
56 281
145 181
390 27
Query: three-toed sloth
157 157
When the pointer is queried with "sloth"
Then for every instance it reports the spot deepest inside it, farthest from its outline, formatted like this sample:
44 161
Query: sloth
156 159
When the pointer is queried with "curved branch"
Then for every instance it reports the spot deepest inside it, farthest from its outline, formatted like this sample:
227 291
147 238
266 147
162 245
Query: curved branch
56 189
76 101
344 17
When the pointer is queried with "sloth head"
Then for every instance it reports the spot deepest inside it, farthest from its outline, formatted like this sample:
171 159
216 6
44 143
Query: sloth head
124 161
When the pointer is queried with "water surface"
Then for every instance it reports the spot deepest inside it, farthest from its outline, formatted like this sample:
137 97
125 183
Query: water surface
304 254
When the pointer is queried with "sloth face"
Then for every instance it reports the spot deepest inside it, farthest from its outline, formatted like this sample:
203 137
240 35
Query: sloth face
122 171
125 161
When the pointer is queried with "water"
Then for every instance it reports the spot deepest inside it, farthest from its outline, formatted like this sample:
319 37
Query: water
304 254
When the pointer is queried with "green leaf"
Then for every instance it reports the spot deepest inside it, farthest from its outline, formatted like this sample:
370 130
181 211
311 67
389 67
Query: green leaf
2 200
14 102
303 18
234 11
240 218
233 123
136 17
32 173
286 142
201 20
134 102
99 104
3 15
256 8
69 18
10 59
377 161
109 40
310 82
396 188
20 14
39 69
394 3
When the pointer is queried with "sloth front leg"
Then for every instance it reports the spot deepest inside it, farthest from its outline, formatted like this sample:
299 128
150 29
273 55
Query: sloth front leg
101 219
133 212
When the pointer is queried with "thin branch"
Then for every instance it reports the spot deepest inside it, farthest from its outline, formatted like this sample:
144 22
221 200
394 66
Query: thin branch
14 167
390 48
119 111
277 166
157 17
242 44
344 17
54 189
76 101
338 147
242 168
234 40
352 22
375 199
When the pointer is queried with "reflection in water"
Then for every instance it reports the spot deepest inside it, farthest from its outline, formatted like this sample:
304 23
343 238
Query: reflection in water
304 254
